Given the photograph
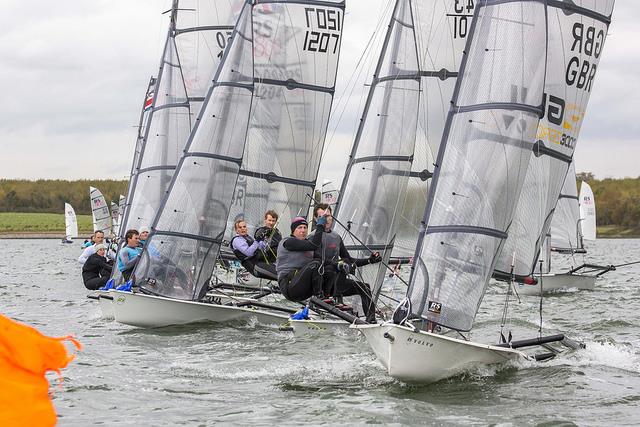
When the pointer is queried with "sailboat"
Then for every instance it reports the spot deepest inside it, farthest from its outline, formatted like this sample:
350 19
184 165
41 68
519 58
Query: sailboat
256 145
587 203
567 234
548 203
478 174
100 212
70 224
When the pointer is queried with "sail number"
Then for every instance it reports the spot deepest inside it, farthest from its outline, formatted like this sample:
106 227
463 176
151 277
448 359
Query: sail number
463 11
586 42
327 20
222 38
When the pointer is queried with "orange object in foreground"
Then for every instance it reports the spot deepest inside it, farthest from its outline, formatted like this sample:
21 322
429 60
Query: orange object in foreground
25 356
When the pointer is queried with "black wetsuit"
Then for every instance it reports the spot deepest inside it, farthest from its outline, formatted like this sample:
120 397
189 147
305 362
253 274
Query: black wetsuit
337 283
96 271
273 238
298 275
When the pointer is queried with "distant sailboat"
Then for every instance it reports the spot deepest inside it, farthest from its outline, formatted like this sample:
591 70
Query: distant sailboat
566 236
100 212
71 224
587 212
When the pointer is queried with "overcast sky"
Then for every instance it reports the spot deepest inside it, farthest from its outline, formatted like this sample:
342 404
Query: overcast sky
73 74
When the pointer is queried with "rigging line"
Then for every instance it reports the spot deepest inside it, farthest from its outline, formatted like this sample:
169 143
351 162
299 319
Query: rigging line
626 264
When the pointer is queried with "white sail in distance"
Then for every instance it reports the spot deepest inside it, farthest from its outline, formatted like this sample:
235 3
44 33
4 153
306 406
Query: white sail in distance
566 228
70 222
100 212
587 211
279 50
577 32
481 162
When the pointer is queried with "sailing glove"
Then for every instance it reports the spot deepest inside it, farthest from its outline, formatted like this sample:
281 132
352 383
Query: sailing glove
344 267
322 220
374 258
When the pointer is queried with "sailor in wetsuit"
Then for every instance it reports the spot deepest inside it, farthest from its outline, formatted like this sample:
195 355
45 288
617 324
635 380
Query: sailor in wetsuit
298 275
249 252
338 264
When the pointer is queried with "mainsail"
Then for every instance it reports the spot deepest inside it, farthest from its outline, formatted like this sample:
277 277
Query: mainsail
587 212
482 161
379 167
284 50
198 33
100 212
385 186
577 31
566 230
70 222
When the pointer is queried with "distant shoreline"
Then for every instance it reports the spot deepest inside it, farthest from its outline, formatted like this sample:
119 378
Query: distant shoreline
40 235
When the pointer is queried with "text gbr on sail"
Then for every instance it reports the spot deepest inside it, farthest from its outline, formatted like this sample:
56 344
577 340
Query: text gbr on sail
588 42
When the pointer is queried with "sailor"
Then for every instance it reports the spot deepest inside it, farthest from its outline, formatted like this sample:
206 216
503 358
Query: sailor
97 238
97 269
249 251
339 264
144 234
129 254
270 234
298 275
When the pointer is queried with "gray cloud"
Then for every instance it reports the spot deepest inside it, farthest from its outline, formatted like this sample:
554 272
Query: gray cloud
74 72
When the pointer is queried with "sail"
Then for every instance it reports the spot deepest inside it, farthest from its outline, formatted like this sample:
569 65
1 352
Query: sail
441 29
198 33
115 213
100 212
70 222
145 112
379 167
279 50
565 229
587 212
577 32
482 161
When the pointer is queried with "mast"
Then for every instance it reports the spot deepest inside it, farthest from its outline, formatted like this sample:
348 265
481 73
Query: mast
481 161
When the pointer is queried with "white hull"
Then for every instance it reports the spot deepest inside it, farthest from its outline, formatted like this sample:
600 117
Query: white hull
425 357
147 311
556 282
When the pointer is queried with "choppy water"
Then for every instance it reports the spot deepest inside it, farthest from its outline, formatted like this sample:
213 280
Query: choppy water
253 375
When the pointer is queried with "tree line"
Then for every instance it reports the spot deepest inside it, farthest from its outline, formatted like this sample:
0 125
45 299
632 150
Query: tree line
49 196
617 200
